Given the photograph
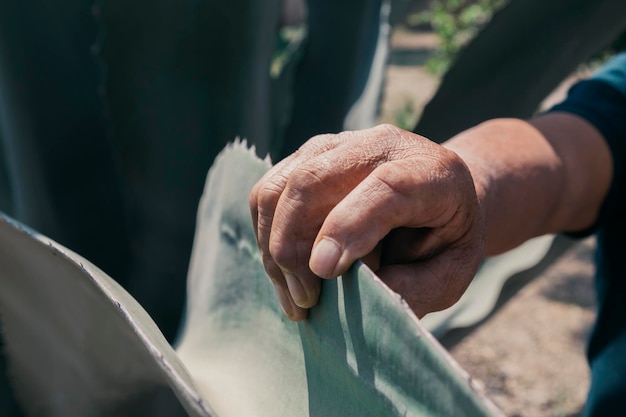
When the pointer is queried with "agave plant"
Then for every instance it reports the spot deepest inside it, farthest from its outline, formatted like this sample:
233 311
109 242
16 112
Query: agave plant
79 345
112 112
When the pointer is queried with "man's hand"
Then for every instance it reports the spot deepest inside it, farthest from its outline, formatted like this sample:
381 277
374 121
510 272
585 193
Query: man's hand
400 202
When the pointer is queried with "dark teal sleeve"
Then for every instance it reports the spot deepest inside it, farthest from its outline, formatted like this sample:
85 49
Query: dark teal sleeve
601 100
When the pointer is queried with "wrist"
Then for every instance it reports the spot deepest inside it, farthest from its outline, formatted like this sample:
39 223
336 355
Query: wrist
517 177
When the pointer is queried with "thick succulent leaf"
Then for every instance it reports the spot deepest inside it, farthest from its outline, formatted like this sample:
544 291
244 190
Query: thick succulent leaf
334 68
362 352
8 403
77 343
527 49
6 203
80 345
53 142
182 79
339 76
365 109
60 163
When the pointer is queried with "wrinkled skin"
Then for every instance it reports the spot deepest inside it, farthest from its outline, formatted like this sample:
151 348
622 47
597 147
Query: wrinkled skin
405 205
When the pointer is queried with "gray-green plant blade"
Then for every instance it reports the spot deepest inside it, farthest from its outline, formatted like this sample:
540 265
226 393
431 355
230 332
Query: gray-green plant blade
526 50
58 161
334 68
6 203
182 79
77 343
362 352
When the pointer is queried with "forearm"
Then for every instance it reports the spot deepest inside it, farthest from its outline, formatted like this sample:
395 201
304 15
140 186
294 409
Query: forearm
547 175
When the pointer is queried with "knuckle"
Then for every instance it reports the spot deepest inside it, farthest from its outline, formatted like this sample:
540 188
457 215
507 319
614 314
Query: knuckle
272 269
393 179
301 185
306 177
253 195
264 208
268 194
390 129
318 144
291 254
282 252
312 183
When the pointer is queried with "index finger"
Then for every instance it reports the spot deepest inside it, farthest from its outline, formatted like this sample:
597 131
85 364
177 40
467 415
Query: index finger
263 200
266 193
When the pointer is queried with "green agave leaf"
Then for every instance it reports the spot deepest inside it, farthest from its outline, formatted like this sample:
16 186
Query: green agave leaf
119 117
80 345
334 69
6 203
182 79
526 50
57 157
57 172
77 343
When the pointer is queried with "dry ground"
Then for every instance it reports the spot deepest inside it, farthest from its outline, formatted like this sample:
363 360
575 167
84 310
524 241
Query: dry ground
529 356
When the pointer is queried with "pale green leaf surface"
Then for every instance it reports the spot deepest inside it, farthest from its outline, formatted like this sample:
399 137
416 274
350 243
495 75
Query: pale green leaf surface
78 344
362 352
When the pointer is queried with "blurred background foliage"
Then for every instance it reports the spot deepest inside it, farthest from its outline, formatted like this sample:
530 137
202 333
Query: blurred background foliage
455 22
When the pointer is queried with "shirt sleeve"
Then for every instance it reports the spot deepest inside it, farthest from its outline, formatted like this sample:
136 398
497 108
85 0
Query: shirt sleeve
601 100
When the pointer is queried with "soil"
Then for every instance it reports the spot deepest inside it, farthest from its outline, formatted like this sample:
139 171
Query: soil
530 355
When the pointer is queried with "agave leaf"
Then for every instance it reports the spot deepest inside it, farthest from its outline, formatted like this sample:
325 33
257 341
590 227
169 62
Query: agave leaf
53 142
334 68
6 203
182 79
362 352
56 154
526 50
79 344
364 111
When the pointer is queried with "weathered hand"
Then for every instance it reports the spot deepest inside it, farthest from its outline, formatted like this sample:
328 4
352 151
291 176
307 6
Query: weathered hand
404 204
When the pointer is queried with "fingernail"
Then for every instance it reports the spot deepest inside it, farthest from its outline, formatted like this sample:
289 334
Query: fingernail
296 289
324 258
283 299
